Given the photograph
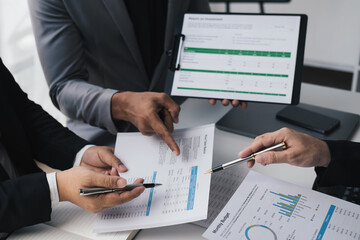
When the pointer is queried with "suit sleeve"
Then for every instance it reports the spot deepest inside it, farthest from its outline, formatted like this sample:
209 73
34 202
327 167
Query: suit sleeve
49 141
29 133
344 166
24 201
60 47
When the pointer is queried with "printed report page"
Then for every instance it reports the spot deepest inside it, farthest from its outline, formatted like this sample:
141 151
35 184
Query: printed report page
246 57
269 209
184 193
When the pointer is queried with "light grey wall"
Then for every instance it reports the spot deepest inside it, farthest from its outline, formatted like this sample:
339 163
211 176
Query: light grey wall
333 39
333 36
1 23
18 50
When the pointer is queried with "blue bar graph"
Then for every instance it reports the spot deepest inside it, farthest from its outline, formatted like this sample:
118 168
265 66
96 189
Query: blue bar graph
287 204
192 188
151 195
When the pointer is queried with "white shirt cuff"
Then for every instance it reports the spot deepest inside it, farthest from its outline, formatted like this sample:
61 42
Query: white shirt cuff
80 154
51 177
54 194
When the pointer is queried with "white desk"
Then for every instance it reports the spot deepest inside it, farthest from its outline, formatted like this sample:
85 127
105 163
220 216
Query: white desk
227 145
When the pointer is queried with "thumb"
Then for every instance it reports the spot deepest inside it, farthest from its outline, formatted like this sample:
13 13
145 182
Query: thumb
112 160
267 158
260 159
102 180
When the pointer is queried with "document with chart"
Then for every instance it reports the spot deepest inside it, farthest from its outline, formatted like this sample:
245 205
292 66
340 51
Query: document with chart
223 185
184 194
267 208
239 56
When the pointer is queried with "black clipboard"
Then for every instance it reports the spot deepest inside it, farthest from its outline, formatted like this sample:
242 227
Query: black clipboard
180 49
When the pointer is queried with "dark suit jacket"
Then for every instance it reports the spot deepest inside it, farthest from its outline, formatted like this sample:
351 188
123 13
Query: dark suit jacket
89 51
344 166
29 133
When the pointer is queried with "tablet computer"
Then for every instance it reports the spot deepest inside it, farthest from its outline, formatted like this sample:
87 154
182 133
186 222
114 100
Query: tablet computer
248 57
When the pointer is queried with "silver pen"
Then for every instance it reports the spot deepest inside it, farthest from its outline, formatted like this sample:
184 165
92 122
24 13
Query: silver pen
129 187
251 157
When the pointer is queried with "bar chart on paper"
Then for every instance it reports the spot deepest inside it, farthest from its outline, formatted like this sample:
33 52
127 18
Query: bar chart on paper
290 205
184 193
177 195
269 209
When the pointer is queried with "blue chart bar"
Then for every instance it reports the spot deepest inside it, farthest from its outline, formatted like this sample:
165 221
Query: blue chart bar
288 205
192 188
326 222
151 195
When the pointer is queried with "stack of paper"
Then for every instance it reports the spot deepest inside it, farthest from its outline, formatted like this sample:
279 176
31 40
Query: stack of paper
268 208
68 222
184 195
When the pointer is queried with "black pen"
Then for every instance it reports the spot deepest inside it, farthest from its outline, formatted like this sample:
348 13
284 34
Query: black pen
129 187
251 157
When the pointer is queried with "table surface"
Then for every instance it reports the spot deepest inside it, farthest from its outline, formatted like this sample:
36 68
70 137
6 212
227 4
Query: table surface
198 112
226 146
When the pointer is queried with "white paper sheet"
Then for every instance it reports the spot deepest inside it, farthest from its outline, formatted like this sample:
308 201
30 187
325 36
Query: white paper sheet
247 57
223 185
184 195
69 222
43 232
267 208
74 219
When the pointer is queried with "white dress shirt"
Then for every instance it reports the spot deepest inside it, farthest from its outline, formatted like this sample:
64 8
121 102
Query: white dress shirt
51 177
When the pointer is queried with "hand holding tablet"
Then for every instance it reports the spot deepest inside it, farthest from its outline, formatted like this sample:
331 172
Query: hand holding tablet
246 57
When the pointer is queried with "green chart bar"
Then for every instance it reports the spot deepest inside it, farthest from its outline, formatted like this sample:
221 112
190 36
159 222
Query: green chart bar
238 52
231 91
237 73
289 203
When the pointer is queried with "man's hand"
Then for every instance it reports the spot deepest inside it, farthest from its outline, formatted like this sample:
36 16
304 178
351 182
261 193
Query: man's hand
302 149
234 103
70 181
101 159
151 112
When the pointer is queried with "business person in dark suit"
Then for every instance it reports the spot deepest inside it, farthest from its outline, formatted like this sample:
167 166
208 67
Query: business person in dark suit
28 133
102 57
336 162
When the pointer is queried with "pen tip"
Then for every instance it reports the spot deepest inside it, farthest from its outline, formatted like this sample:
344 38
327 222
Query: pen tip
209 171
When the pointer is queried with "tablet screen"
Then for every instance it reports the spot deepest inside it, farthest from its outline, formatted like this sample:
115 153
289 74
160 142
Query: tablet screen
247 57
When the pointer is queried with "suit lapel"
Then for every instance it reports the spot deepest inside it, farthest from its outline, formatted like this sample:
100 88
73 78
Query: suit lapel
176 8
118 11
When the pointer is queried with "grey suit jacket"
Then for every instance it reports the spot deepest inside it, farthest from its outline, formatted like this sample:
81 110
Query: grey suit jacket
88 51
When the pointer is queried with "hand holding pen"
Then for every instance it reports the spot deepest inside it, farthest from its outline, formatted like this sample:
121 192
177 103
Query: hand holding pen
101 190
302 150
244 159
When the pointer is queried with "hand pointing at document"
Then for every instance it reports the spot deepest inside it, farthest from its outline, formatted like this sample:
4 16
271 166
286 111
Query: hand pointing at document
151 112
